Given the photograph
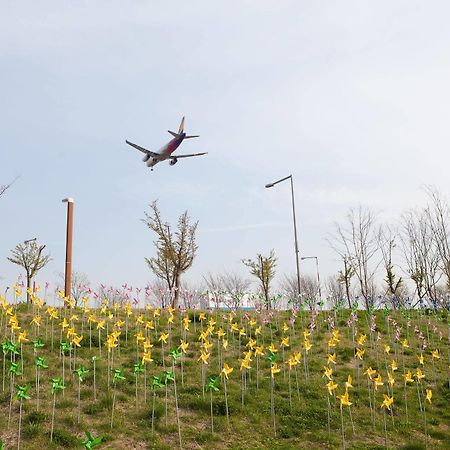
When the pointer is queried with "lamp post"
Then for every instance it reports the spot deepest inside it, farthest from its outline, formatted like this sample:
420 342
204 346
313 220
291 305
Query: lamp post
319 289
289 177
68 267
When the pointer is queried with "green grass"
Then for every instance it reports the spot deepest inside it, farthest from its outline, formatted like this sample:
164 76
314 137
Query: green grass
304 424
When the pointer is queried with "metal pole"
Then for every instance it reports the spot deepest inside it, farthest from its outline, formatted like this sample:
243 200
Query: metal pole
318 278
68 268
295 239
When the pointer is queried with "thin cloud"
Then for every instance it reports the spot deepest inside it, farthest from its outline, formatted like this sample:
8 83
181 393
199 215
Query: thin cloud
232 228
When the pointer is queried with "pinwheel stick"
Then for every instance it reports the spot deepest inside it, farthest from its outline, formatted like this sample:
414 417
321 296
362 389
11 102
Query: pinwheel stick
176 402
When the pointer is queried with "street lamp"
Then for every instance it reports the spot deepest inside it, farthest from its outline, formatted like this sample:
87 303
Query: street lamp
68 267
295 226
29 240
318 275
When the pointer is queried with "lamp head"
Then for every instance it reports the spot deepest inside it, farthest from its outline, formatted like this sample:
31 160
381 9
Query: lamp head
269 185
67 200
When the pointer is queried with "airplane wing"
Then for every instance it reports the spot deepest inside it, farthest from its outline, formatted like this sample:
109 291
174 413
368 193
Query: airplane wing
188 156
142 149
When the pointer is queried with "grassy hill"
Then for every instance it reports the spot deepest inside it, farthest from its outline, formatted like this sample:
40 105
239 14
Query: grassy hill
292 409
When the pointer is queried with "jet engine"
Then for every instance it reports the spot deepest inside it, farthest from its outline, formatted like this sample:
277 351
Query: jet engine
173 161
146 158
150 162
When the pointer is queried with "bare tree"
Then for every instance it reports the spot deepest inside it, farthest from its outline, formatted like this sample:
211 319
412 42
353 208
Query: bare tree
192 295
438 213
79 285
175 251
5 187
310 289
229 288
421 253
29 256
394 284
357 246
263 268
345 277
236 287
336 290
215 287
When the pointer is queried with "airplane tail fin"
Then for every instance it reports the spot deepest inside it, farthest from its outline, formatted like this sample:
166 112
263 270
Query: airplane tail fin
181 128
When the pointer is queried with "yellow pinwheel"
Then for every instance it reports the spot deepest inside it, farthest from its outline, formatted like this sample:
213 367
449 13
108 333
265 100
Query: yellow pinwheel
419 375
331 358
204 357
274 369
163 337
391 379
183 346
408 377
429 394
387 402
331 386
377 382
327 372
226 370
259 350
360 353
362 339
272 348
23 337
370 372
393 365
348 383
435 354
344 399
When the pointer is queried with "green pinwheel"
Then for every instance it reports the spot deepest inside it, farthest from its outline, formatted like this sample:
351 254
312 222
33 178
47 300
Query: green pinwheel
57 385
14 371
64 348
37 344
90 442
168 376
213 385
138 369
21 394
81 372
94 360
157 382
39 362
14 348
117 376
175 354
6 348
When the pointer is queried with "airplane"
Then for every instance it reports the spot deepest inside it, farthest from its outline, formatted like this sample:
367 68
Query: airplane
165 152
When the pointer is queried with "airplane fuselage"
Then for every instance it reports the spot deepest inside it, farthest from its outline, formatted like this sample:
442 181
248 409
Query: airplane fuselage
165 151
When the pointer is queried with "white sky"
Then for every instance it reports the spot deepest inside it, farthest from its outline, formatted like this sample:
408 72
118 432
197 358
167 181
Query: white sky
351 97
